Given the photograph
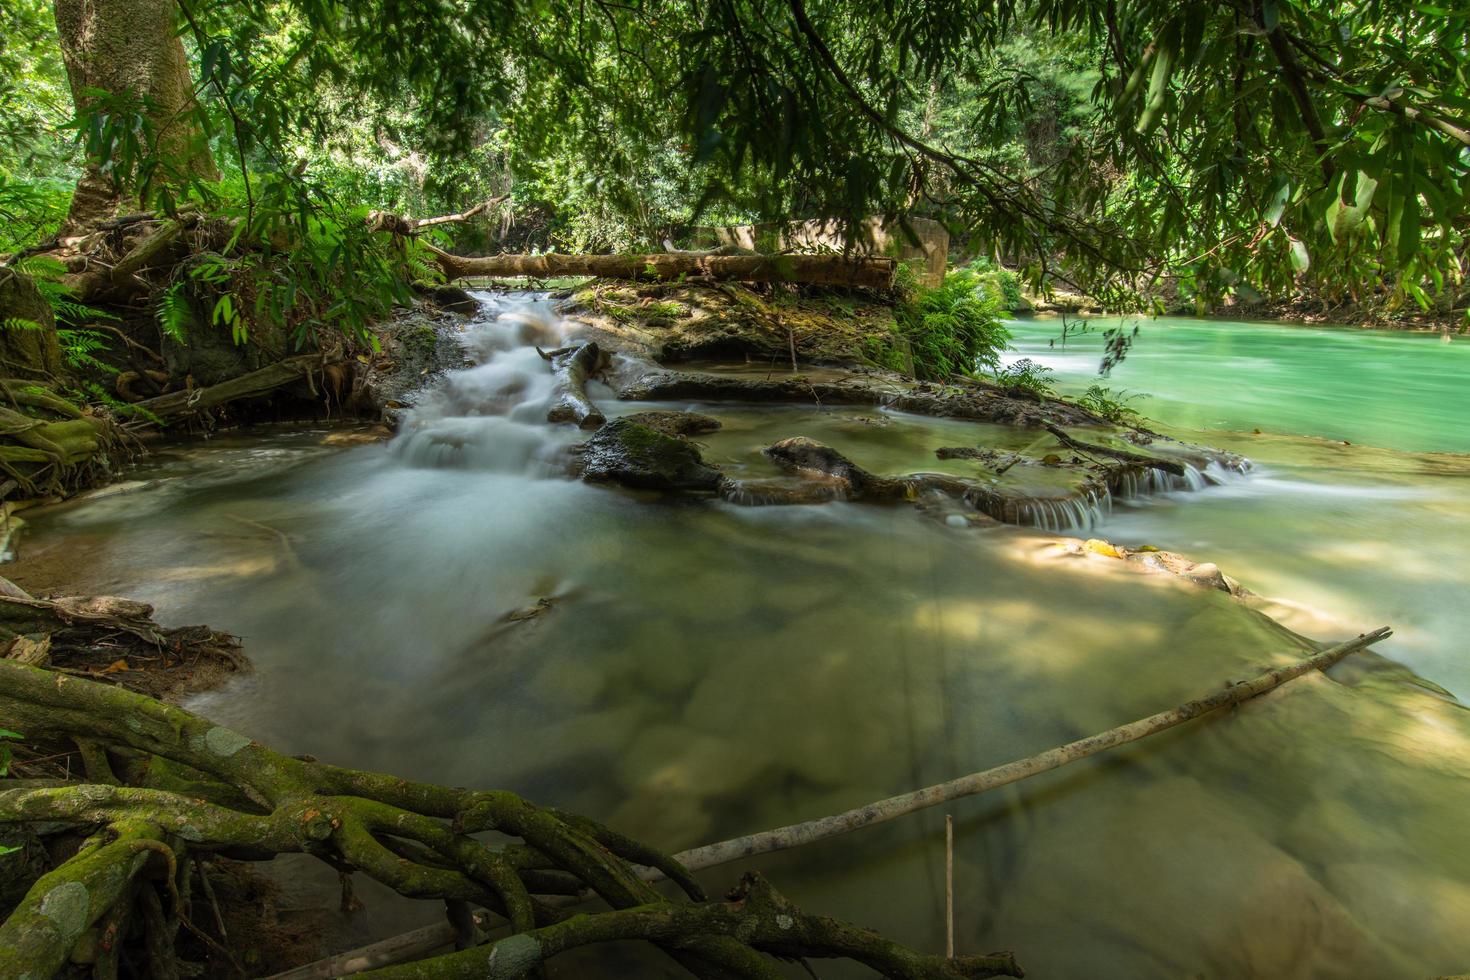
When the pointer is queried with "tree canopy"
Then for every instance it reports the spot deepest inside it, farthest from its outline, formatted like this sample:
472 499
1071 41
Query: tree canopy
1242 145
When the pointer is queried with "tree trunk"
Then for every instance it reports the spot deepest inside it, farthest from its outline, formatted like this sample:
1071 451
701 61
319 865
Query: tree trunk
28 342
131 48
820 269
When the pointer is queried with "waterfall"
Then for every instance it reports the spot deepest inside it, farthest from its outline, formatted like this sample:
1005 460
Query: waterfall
492 415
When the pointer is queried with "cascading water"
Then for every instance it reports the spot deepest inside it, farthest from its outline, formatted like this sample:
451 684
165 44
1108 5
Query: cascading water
492 415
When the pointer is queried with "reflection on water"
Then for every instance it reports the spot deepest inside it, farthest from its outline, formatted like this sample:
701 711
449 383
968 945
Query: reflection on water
703 670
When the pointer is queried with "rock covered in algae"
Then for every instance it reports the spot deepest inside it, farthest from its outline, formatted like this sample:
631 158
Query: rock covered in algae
637 455
672 423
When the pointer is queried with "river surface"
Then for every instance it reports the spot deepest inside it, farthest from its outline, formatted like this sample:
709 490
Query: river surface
451 606
1358 512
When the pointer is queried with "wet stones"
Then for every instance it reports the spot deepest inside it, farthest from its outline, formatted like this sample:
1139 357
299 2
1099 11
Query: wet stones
676 423
640 456
802 455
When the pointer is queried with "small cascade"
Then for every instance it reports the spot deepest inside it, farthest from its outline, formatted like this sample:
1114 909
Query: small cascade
1067 513
1087 512
492 416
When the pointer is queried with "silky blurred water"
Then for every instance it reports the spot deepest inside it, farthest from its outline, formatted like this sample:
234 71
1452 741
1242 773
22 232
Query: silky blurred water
702 670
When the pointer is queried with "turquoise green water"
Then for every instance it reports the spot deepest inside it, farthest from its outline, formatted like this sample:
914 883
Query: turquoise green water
706 670
1393 389
1348 536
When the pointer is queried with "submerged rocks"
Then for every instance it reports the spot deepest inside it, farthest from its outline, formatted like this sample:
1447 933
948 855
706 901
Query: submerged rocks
638 455
809 456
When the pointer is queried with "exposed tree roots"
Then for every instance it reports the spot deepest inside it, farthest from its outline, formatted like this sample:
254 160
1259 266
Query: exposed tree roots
164 786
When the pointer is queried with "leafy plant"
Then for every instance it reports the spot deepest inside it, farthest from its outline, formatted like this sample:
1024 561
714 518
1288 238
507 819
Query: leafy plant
1026 375
952 329
1111 405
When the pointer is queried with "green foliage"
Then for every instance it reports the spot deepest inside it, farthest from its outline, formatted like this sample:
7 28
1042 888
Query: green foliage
953 329
173 313
80 346
1005 283
1027 375
665 312
79 343
1111 405
1269 148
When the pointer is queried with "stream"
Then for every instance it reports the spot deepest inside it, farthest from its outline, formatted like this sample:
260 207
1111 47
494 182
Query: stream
450 606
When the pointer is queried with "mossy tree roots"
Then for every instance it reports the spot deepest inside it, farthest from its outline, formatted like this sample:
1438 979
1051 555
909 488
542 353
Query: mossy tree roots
164 785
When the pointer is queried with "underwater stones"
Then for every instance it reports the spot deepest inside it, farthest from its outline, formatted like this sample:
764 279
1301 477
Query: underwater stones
961 399
1252 910
639 456
658 662
672 775
803 455
568 682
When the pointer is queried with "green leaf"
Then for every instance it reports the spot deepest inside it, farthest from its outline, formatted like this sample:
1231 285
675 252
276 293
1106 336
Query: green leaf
1279 197
1406 230
1300 260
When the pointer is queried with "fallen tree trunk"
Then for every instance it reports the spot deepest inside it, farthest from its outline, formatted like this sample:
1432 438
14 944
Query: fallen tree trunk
176 404
818 270
570 403
430 938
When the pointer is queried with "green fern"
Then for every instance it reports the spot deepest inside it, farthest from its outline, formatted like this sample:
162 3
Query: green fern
173 313
19 323
80 346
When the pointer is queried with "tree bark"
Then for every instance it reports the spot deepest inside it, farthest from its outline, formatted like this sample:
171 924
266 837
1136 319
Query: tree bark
177 404
131 48
821 270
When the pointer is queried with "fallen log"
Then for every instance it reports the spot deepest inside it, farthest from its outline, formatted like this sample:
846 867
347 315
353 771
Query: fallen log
819 270
573 366
810 831
176 404
430 938
402 225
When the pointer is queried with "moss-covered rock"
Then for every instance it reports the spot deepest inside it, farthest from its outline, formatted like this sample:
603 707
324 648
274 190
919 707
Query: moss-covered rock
637 455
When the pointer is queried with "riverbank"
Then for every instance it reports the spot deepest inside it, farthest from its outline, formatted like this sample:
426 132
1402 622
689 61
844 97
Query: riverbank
1306 311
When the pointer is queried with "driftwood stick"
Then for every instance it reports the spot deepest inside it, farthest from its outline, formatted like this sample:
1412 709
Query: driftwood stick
177 404
810 831
419 942
949 886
